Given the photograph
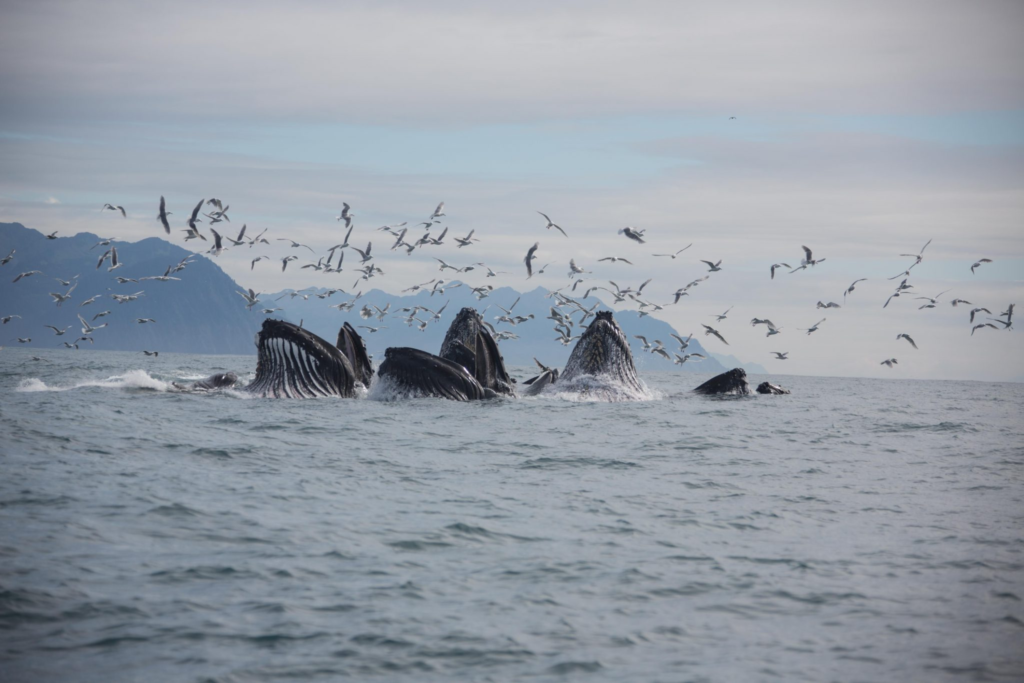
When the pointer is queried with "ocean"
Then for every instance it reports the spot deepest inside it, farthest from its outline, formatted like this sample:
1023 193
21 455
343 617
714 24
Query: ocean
855 530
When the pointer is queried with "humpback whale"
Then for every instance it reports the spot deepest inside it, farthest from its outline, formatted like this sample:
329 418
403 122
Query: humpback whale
600 366
733 382
295 363
469 366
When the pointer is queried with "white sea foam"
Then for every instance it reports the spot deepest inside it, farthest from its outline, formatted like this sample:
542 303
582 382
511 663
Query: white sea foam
133 379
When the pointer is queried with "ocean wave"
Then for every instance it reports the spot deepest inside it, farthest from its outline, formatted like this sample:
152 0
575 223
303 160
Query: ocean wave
133 379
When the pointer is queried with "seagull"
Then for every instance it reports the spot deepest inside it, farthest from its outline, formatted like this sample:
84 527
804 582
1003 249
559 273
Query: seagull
714 267
615 259
162 216
144 320
7 259
647 345
978 327
218 244
238 241
682 291
720 318
673 256
61 298
710 330
907 336
920 255
60 333
683 343
633 234
123 280
931 300
295 245
852 286
550 224
105 242
7 318
574 269
781 355
251 298
957 302
978 310
662 352
978 264
52 235
530 256
285 260
89 329
346 214
371 329
779 265
814 327
890 362
195 216
830 304
28 274
438 212
467 240
100 315
808 260
115 208
151 353
365 255
114 263
24 340
682 359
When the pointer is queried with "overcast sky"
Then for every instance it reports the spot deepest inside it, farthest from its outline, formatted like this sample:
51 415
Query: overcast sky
861 130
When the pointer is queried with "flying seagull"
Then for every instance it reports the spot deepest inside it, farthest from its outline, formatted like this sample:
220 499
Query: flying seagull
115 208
530 256
633 234
162 216
551 224
907 337
978 264
890 362
673 256
779 265
710 330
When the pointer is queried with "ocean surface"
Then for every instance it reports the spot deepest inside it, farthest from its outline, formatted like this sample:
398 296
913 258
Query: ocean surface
856 530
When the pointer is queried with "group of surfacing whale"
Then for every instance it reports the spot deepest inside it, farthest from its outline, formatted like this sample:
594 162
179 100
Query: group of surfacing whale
295 363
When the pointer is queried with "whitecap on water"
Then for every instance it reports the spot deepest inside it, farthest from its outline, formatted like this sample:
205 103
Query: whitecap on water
133 379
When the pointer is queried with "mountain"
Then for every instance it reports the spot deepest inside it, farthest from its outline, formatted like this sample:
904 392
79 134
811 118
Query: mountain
731 361
536 336
201 313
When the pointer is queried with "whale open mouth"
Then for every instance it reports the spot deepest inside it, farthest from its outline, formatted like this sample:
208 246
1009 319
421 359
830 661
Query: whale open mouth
295 363
603 354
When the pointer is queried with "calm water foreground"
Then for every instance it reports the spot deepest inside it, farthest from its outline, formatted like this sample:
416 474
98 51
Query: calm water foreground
857 530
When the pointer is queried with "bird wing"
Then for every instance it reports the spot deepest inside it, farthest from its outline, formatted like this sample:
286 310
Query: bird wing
807 252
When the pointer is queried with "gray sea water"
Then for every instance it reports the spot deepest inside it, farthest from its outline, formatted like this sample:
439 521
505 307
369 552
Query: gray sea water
857 530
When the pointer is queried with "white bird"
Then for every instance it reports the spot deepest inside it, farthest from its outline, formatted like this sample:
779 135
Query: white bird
673 256
978 310
710 330
7 259
346 214
720 318
889 362
251 298
115 208
151 353
814 327
982 325
61 298
979 262
633 234
365 255
467 240
550 224
808 260
8 318
713 267
144 320
530 256
438 212
779 265
907 337
781 355
574 269
920 255
295 245
60 333
285 260
114 263
371 329
682 359
830 304
852 286
27 274
162 216
615 259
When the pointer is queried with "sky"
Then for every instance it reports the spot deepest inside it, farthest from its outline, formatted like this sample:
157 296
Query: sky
862 130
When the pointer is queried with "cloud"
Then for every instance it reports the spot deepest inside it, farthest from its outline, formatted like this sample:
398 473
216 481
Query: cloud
456 63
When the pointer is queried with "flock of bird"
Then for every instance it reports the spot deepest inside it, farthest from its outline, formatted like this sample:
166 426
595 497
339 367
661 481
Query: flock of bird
568 312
